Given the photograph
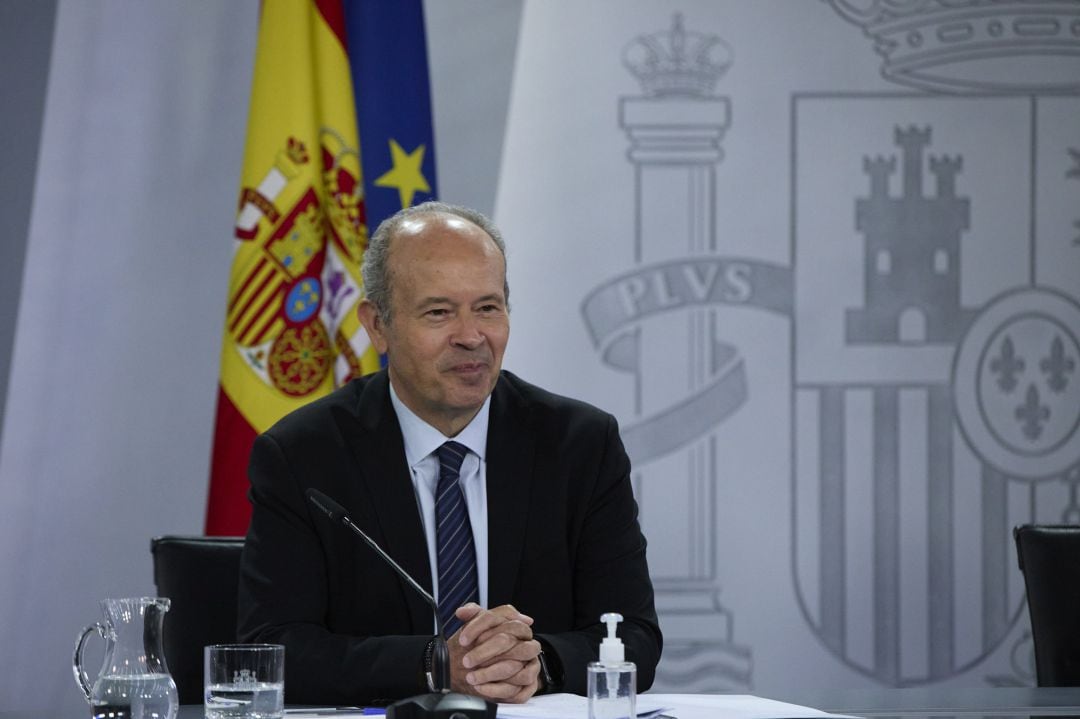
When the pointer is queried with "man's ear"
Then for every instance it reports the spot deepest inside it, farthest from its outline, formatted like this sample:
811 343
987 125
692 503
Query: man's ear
373 323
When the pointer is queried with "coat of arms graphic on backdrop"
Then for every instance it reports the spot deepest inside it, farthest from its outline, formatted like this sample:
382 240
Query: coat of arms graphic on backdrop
936 383
835 313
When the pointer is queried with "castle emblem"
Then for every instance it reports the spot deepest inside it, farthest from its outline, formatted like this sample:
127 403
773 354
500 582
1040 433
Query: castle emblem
911 257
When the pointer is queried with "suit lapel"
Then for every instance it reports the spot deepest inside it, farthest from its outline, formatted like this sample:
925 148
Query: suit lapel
387 484
510 449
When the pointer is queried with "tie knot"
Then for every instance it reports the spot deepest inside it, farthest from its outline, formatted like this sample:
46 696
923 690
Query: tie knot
451 455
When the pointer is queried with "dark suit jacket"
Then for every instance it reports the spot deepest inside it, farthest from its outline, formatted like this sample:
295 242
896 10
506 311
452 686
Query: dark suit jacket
564 544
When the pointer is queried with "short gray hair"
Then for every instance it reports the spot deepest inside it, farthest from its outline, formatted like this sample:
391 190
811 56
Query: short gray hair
376 268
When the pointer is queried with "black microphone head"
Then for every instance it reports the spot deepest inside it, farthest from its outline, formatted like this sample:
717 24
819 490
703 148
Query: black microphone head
442 706
324 504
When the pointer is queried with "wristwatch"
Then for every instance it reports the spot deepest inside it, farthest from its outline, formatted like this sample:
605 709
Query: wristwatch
547 682
428 651
551 671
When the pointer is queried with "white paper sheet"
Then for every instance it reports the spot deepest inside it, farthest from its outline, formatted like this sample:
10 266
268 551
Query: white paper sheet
649 706
680 706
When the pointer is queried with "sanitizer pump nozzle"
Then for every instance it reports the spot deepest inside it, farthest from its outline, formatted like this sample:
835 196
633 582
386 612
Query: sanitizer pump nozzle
612 680
611 649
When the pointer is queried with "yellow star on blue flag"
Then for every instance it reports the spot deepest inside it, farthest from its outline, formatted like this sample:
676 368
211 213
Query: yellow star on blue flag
406 175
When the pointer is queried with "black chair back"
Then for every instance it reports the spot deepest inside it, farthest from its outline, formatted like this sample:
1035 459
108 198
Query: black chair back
200 575
1049 557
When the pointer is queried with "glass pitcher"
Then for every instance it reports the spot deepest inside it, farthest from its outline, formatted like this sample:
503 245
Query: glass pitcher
134 681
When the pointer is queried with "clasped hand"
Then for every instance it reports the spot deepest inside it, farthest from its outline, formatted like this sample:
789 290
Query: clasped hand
493 654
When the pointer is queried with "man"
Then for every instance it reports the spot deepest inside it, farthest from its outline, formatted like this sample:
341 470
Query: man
538 522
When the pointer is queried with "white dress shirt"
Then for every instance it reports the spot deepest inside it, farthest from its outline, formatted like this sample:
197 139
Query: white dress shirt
421 442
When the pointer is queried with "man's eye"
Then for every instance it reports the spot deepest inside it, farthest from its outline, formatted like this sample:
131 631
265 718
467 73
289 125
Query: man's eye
439 312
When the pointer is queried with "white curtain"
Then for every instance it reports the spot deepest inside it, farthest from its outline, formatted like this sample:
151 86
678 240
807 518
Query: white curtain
107 428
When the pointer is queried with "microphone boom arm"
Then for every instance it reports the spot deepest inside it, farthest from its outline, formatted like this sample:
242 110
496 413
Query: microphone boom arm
440 658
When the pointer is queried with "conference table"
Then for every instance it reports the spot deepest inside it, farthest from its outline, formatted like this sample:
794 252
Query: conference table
936 703
911 703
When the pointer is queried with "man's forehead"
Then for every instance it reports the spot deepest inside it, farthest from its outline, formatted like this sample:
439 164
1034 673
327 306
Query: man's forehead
442 235
416 225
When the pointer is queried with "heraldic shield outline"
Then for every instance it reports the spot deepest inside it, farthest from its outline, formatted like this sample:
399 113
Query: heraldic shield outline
935 396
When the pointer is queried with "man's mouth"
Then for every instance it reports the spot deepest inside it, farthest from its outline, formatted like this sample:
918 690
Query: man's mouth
469 367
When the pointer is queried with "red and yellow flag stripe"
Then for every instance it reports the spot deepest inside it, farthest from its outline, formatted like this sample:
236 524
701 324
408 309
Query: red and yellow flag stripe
291 331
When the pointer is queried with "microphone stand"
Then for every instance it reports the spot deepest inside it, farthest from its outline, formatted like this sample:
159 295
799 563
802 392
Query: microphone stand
442 703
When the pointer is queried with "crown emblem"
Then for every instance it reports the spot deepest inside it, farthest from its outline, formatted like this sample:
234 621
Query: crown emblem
973 46
677 62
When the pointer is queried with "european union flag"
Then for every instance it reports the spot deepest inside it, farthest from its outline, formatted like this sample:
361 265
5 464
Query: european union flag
388 57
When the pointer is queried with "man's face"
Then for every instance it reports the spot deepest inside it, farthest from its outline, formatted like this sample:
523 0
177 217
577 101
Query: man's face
449 324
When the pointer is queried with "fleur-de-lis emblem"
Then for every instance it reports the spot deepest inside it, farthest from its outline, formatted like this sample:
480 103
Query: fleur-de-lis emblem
1032 414
1016 385
1057 366
1007 365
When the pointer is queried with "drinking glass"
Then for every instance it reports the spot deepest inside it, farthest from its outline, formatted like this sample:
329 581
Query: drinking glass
244 681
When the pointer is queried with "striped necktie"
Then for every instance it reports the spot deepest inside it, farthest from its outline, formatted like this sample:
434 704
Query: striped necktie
454 539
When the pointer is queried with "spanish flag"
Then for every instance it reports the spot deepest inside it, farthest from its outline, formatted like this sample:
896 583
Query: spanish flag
310 192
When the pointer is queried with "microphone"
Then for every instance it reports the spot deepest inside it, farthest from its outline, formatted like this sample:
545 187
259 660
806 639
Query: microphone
442 702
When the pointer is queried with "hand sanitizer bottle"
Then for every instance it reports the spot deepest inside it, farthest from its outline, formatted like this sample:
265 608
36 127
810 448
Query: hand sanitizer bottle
612 680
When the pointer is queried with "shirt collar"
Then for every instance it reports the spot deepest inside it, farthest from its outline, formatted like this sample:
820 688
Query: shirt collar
421 439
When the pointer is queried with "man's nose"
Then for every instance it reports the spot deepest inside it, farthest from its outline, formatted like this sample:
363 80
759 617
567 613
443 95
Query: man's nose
467 334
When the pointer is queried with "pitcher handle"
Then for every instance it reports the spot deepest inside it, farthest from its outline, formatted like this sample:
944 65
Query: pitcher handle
81 677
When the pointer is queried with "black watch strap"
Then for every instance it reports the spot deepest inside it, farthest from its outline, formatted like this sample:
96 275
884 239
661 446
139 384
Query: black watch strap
551 669
547 682
428 676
